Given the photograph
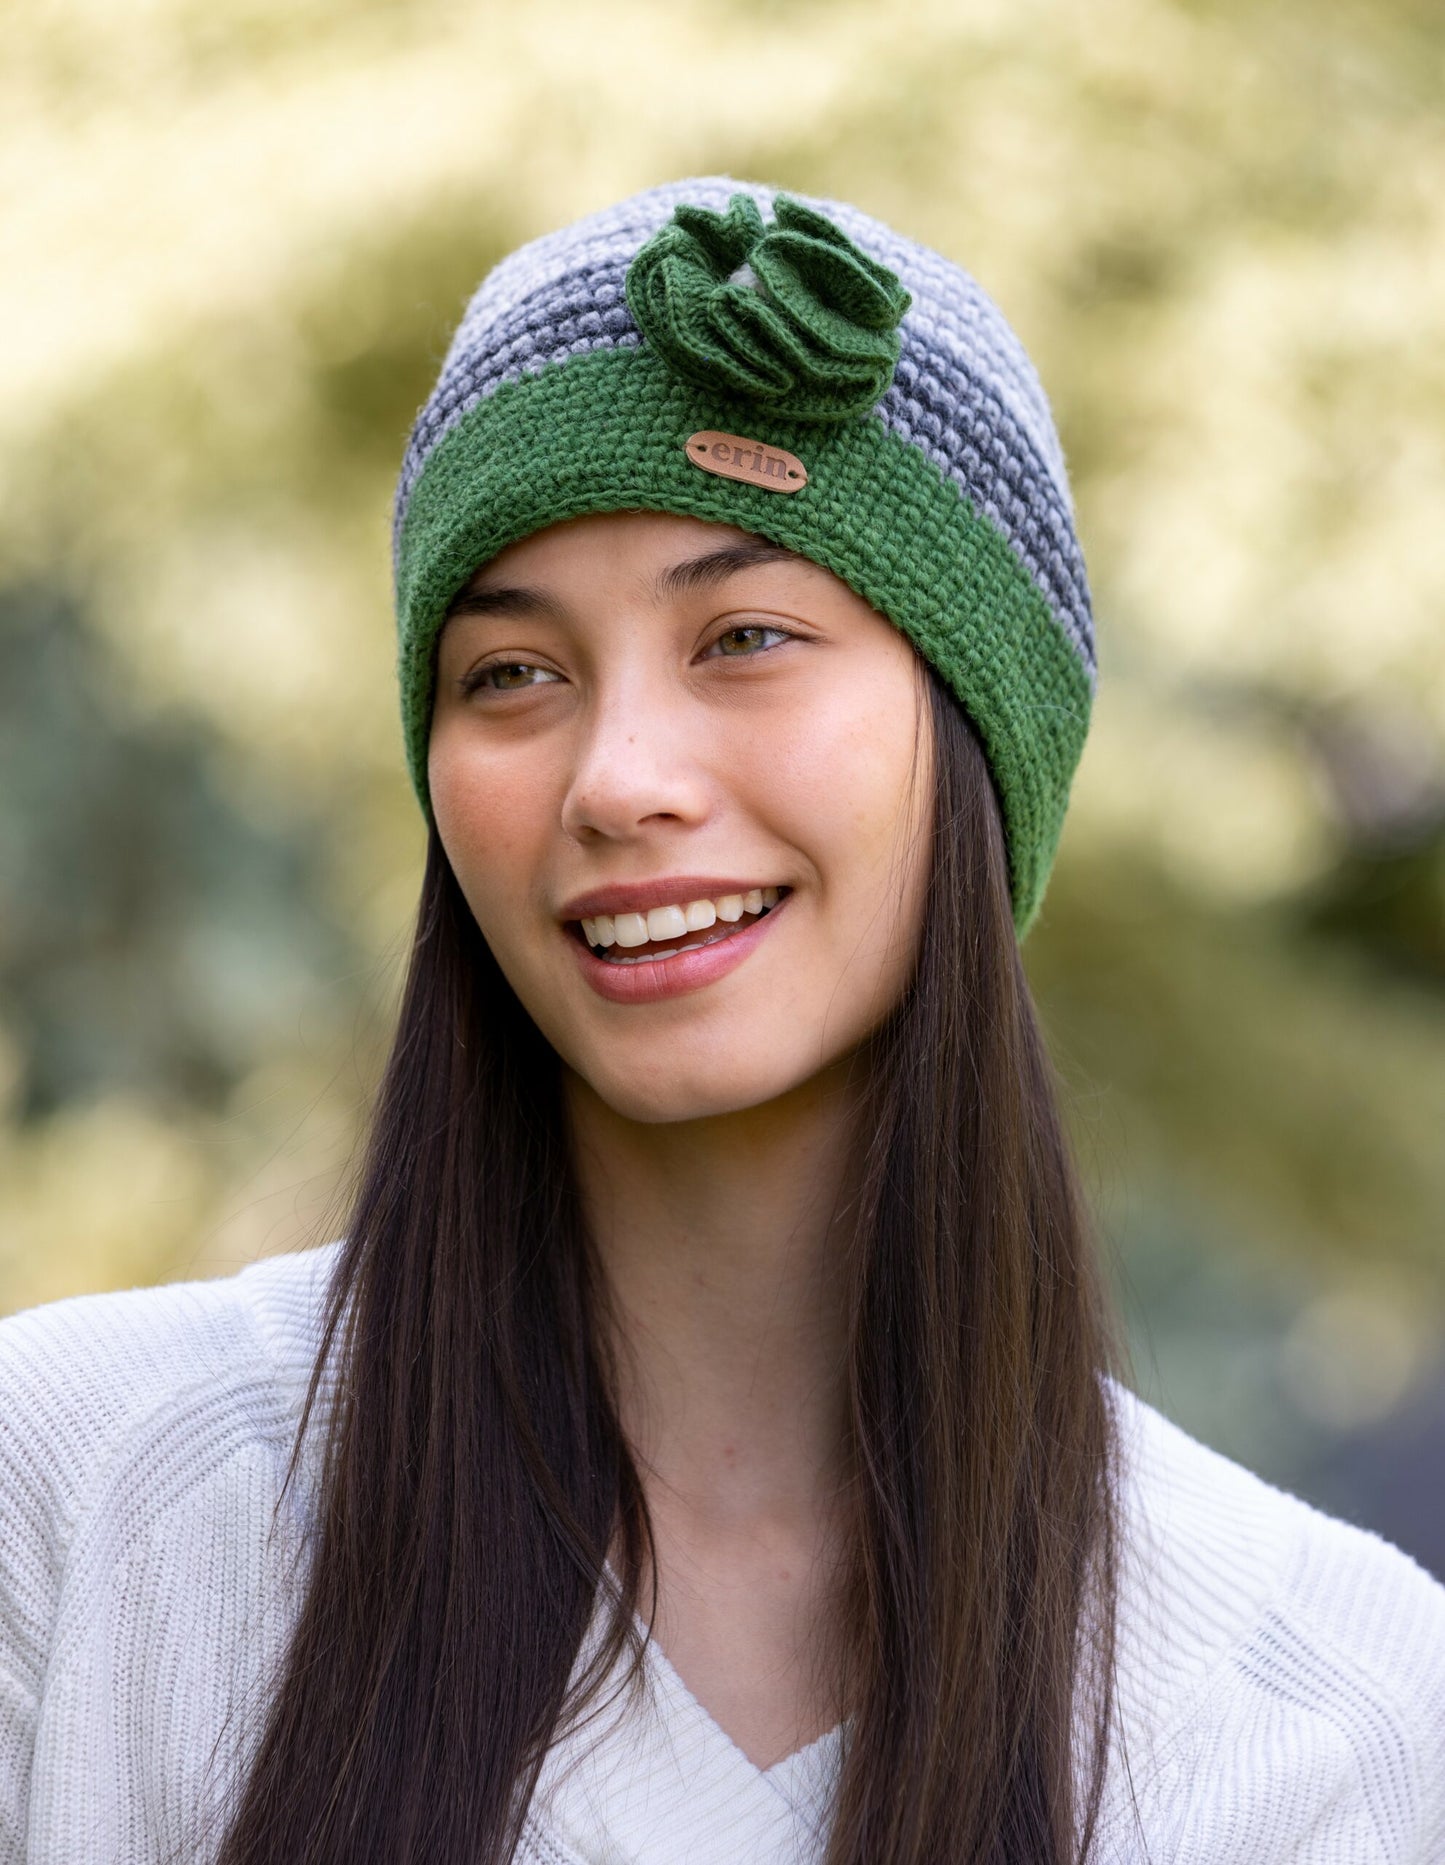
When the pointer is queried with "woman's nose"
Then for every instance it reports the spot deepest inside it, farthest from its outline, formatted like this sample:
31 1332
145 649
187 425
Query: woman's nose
637 766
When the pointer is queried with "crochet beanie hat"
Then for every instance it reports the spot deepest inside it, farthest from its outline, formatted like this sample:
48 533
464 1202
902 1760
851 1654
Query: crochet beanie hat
796 369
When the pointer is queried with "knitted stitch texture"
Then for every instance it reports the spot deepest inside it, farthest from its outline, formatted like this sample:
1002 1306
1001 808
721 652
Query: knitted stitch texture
936 485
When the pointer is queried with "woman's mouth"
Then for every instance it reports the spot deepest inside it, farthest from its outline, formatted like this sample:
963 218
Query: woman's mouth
642 938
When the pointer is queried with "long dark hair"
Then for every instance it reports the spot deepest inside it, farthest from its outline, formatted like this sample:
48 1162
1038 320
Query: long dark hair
476 1476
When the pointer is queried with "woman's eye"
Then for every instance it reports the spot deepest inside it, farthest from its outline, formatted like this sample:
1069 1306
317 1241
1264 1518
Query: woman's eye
506 677
750 639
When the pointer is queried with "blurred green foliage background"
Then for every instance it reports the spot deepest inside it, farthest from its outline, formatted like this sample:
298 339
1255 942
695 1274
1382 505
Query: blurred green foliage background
234 240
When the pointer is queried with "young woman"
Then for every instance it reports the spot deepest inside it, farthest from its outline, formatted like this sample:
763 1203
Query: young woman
701 1446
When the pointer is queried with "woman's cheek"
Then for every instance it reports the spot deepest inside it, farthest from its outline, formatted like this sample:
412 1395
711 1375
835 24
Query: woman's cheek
488 814
859 786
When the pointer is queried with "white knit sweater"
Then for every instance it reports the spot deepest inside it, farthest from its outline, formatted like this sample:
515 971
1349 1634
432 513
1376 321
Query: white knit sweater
1282 1676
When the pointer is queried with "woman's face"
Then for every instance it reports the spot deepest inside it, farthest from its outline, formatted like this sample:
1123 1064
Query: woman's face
646 729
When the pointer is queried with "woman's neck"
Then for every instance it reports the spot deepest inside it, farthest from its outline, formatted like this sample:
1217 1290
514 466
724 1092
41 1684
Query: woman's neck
721 1243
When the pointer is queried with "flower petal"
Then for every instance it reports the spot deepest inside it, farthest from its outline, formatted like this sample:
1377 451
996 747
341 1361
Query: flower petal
793 315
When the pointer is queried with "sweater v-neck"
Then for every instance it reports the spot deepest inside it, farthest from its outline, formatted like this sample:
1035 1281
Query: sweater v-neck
654 1778
792 1774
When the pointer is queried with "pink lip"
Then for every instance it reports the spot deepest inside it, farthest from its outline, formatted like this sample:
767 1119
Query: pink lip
659 978
638 896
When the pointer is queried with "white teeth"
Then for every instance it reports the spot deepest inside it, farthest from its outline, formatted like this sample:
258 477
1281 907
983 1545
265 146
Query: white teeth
659 924
666 923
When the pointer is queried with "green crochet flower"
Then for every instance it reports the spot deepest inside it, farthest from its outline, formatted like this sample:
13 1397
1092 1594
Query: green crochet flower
790 315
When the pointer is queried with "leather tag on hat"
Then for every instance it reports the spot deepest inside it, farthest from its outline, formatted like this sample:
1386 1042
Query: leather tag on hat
733 456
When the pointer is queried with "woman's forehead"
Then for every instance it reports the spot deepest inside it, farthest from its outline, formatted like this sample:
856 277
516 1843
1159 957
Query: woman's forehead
615 537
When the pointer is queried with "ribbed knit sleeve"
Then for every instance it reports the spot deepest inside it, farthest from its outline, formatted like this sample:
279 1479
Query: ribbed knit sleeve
34 1531
143 1438
1358 1647
1281 1674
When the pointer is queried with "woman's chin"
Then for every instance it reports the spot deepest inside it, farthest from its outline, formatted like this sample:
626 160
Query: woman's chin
670 1096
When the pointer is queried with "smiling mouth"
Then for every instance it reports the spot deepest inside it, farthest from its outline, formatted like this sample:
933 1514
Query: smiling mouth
663 932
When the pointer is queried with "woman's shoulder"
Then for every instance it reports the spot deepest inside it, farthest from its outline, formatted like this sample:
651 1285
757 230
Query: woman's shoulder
94 1383
1257 1633
1205 1526
92 1365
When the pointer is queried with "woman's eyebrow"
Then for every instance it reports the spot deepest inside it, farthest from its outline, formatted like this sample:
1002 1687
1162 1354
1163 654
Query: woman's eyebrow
695 573
679 579
507 599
